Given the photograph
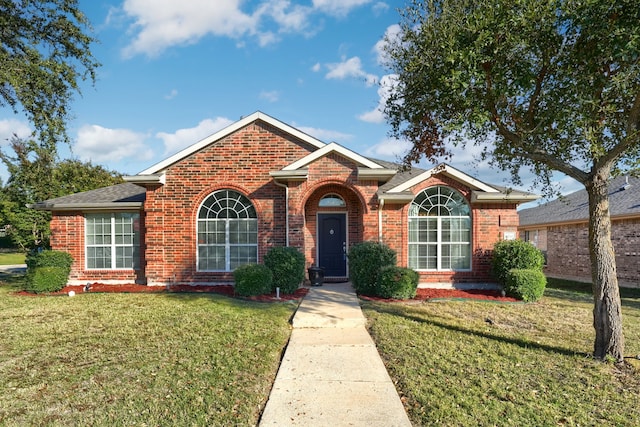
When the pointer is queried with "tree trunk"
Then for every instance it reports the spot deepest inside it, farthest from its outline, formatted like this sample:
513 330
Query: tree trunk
607 314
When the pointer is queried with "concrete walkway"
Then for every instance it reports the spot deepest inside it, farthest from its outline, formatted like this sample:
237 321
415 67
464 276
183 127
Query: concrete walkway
331 373
13 269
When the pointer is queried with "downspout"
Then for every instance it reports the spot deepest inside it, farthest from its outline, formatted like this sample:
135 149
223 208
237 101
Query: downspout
286 209
380 206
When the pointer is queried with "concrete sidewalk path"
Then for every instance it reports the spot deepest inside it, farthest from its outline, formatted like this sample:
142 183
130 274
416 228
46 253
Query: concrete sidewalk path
331 373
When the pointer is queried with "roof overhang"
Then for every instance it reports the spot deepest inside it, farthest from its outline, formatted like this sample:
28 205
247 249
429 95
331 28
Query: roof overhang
397 198
295 175
146 179
501 197
84 207
383 175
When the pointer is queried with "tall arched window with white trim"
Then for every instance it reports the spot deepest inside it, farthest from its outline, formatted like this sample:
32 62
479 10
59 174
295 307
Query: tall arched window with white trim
439 231
227 228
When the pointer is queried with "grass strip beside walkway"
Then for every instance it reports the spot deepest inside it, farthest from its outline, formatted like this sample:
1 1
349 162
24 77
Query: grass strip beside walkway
137 359
469 363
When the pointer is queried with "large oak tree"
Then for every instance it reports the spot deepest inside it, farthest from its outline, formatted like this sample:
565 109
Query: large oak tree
44 54
546 85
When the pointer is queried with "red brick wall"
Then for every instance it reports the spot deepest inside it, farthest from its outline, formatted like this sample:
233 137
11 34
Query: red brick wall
568 251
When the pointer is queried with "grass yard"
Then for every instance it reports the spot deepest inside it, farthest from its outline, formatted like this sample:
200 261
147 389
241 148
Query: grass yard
11 258
478 363
137 359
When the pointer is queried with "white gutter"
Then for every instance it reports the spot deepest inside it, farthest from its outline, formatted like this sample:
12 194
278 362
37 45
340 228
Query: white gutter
380 206
286 209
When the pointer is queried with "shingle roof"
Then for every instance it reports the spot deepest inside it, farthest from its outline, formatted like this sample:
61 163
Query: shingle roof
575 206
120 196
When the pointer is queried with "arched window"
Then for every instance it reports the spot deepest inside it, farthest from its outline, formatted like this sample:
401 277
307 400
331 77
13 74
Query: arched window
227 232
439 230
332 201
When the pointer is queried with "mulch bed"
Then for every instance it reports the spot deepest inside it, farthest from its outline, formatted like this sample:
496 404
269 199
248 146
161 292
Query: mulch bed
133 288
423 294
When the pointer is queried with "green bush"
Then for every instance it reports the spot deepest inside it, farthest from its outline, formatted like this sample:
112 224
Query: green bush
252 279
397 282
365 261
47 271
527 285
510 254
287 265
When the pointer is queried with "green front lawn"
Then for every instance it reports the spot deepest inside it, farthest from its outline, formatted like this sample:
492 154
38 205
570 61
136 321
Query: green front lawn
137 359
11 258
478 363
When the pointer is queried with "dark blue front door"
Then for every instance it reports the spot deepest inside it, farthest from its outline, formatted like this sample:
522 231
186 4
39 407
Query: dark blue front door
332 244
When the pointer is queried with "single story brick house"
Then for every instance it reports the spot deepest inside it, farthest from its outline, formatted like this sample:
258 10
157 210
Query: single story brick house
260 183
560 229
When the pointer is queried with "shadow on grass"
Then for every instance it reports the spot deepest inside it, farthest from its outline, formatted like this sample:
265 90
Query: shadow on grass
395 311
582 292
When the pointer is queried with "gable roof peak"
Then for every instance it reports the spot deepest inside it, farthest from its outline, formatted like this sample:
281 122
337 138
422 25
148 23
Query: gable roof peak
158 168
447 170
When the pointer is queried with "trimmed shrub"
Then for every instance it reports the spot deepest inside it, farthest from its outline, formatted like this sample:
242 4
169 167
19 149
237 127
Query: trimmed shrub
527 285
47 271
287 265
510 254
365 261
397 282
252 279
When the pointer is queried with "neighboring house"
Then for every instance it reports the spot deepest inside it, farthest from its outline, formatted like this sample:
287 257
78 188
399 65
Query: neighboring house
560 228
260 183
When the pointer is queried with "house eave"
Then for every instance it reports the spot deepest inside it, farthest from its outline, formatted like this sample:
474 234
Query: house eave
146 179
382 175
58 207
294 175
397 198
483 197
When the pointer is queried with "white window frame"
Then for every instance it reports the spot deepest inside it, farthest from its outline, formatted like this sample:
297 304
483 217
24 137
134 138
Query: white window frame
439 243
244 215
112 245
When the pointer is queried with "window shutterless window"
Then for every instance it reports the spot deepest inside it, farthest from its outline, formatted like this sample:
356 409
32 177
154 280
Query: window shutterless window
439 231
227 232
112 240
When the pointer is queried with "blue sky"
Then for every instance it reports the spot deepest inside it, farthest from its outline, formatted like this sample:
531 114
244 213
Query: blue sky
174 72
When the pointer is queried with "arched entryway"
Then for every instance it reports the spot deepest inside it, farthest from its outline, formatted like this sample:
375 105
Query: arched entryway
333 222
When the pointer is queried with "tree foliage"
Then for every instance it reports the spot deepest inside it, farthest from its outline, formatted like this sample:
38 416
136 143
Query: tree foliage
44 53
37 175
544 85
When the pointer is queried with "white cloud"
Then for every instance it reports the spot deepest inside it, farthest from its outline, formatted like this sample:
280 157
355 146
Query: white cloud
289 18
376 115
380 7
389 149
182 138
11 127
171 95
160 24
338 7
350 68
325 135
99 144
316 67
391 33
270 96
